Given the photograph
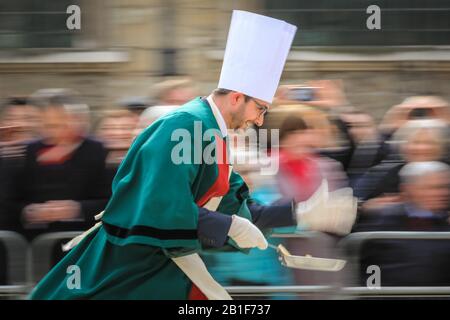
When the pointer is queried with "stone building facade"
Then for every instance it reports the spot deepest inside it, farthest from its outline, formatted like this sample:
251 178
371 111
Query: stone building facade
125 46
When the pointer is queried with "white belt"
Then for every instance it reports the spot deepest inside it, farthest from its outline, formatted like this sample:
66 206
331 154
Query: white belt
194 267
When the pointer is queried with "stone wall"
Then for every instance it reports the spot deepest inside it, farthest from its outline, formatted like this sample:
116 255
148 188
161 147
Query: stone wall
134 33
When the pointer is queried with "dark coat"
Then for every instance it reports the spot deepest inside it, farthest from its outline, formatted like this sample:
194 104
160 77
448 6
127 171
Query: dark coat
405 262
80 178
381 179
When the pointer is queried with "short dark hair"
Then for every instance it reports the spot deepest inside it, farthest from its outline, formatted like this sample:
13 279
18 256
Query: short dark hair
290 124
223 92
16 101
12 101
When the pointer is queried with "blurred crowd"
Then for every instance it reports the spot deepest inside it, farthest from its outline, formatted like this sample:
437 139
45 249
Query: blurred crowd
58 160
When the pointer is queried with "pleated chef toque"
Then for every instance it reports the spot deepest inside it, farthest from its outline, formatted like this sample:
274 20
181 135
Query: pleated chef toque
256 51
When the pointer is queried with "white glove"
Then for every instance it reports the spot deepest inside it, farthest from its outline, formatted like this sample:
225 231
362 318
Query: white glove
246 234
333 212
315 202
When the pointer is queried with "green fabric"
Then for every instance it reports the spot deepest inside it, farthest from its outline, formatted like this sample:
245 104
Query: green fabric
108 271
150 192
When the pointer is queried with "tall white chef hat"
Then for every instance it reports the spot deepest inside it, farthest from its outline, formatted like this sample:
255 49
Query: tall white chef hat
257 48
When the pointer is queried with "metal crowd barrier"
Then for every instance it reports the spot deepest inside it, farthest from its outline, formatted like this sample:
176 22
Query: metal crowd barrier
340 293
350 248
17 264
27 264
351 245
42 249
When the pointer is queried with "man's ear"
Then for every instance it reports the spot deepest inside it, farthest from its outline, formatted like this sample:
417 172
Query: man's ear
236 98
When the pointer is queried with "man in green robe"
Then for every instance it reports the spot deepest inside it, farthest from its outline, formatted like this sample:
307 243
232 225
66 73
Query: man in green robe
155 211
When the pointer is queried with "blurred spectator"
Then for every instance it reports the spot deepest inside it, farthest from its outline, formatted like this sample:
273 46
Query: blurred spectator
302 168
425 197
150 115
18 114
362 126
369 146
174 92
116 131
416 107
417 140
61 183
424 207
421 140
19 123
329 97
136 105
301 171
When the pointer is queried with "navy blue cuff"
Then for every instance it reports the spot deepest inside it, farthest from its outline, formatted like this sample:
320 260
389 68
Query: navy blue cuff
273 216
212 228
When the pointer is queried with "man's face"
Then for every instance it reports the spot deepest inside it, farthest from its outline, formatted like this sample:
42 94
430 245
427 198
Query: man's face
424 146
55 124
362 127
301 142
58 126
247 113
117 132
23 121
431 193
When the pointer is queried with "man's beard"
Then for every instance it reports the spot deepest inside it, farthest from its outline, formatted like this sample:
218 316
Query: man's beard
237 119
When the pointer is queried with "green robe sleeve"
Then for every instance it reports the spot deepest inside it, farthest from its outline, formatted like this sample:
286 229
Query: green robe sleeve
152 201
